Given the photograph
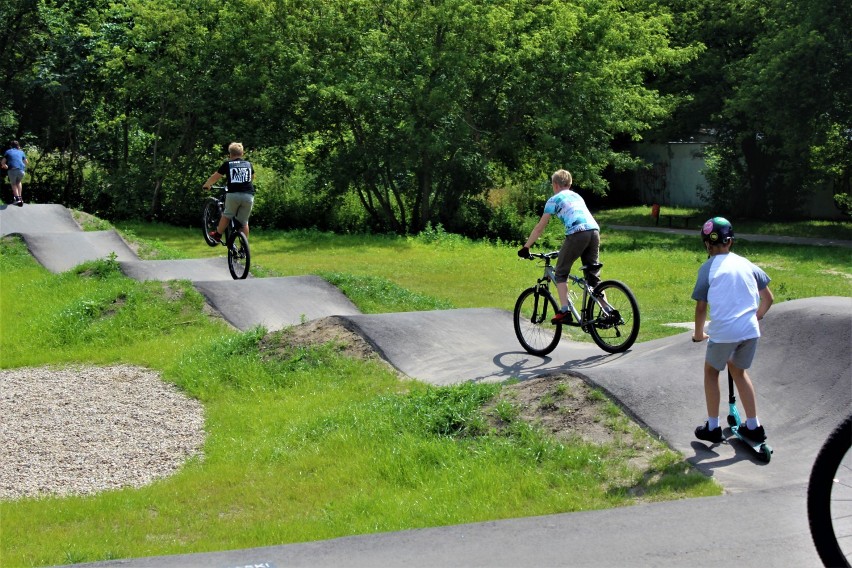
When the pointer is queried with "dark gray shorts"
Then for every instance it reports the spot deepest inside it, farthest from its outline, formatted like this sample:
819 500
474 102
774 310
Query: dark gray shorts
584 245
740 354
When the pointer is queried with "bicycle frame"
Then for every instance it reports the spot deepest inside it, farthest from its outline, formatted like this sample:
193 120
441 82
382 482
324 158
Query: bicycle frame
549 276
233 225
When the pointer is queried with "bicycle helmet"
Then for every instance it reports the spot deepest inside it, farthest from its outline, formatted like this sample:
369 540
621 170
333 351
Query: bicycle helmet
717 230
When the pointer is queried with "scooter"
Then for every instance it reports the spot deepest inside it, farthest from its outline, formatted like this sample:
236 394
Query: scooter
762 449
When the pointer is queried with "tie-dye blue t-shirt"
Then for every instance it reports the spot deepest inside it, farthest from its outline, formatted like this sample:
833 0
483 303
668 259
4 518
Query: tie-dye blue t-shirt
572 211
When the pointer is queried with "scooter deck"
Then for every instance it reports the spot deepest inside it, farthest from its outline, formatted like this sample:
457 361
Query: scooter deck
762 449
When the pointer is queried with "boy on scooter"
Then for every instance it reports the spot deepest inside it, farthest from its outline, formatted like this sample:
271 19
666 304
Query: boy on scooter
739 294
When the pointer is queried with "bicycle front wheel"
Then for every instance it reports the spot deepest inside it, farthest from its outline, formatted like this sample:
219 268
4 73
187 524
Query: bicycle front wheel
239 256
210 216
533 312
616 329
830 497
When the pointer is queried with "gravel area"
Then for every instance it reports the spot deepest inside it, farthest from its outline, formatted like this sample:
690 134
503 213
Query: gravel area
81 430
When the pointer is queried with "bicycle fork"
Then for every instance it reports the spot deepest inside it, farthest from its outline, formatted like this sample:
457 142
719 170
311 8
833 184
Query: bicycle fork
540 312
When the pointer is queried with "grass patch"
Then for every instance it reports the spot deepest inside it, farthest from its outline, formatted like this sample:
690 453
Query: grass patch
374 294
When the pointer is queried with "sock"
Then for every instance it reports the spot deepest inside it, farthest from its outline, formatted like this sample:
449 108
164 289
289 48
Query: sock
564 308
713 422
752 423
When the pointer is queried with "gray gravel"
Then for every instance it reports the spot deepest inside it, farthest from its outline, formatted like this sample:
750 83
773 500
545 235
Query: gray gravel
81 430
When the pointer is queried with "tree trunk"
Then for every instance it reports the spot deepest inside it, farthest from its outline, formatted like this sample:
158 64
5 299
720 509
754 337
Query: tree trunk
424 196
757 171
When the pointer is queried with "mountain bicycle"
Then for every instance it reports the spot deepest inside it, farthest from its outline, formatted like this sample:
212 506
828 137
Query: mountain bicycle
609 312
830 497
239 255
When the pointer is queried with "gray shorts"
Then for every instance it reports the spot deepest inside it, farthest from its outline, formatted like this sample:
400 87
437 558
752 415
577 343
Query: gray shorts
740 354
15 175
238 205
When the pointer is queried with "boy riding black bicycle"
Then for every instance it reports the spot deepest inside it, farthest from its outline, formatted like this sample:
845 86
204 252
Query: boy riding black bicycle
239 198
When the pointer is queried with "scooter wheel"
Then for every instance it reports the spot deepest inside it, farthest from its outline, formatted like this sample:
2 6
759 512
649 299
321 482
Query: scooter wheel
765 453
732 421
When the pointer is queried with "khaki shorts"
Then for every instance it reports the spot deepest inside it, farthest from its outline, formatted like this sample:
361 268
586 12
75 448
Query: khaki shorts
238 205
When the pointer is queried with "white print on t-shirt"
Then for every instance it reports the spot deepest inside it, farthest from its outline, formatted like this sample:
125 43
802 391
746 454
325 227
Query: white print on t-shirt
240 174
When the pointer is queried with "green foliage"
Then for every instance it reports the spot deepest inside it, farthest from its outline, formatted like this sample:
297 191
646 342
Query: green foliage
386 117
844 203
101 268
778 140
104 315
437 235
414 102
401 112
506 411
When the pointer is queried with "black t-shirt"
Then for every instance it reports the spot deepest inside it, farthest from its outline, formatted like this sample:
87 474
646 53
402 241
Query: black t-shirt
238 173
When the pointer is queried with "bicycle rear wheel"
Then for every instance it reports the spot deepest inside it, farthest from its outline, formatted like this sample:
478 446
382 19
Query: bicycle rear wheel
830 497
210 216
239 256
533 312
616 331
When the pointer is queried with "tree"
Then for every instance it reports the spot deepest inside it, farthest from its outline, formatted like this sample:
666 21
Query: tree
186 79
773 83
412 103
51 83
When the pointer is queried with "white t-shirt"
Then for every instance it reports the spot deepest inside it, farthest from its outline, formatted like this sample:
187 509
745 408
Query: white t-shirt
731 285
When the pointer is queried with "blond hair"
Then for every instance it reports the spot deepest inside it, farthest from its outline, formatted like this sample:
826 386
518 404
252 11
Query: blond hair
562 178
235 149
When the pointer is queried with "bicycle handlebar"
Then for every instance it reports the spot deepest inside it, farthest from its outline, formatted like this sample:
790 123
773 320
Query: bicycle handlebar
543 255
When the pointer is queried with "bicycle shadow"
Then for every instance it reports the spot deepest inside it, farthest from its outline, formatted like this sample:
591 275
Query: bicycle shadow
520 365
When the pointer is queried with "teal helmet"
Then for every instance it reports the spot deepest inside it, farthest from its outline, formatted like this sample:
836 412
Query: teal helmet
717 230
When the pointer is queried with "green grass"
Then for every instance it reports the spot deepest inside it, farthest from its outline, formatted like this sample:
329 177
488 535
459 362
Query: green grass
640 216
312 445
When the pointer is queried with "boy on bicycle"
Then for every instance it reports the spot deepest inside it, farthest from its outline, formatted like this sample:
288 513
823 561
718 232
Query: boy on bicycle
739 293
582 237
239 196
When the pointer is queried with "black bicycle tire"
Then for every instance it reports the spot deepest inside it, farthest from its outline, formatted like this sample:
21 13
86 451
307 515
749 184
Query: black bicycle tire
244 245
210 220
634 321
820 485
520 326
